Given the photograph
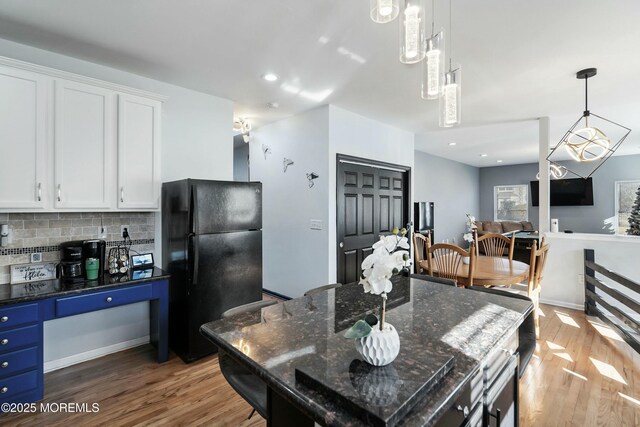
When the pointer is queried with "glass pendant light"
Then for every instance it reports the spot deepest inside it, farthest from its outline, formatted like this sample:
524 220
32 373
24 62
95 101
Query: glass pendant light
411 31
450 101
451 98
383 11
433 65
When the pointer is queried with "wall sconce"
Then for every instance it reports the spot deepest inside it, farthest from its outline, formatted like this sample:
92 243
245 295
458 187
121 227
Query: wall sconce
266 150
285 164
311 176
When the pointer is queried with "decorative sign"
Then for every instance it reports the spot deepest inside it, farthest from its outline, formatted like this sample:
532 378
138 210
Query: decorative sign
21 273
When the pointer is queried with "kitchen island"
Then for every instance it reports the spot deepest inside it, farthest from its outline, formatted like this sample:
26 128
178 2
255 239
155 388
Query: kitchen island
435 322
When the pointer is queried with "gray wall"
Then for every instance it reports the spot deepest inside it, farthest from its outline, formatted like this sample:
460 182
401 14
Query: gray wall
580 219
240 159
453 187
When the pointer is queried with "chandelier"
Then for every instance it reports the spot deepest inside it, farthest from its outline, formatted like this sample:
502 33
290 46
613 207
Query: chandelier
588 144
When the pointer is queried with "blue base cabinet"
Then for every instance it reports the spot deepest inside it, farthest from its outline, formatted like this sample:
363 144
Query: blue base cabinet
21 331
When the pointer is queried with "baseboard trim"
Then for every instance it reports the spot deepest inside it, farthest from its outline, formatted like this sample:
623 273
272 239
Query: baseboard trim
54 365
563 304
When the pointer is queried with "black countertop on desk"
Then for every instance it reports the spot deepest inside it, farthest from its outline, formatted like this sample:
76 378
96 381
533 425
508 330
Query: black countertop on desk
431 319
24 292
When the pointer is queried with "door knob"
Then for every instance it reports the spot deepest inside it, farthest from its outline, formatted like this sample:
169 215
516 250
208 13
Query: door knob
342 244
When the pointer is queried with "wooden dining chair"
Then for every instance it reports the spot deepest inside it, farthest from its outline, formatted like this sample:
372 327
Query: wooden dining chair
444 261
532 287
420 244
495 244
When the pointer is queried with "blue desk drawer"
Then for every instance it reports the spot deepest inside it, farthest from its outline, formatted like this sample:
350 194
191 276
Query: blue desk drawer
18 361
17 384
11 316
18 337
70 306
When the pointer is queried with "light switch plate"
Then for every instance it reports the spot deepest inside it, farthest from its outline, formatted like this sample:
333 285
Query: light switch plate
316 224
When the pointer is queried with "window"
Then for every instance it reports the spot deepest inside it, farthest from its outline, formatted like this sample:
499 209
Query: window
625 197
511 202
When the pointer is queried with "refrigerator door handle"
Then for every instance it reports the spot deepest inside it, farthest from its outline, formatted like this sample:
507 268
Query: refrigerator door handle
193 205
195 260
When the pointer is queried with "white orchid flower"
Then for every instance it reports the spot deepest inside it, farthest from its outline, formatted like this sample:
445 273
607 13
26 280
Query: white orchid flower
468 237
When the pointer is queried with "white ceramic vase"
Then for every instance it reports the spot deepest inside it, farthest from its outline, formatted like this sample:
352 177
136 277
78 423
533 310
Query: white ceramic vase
380 347
466 260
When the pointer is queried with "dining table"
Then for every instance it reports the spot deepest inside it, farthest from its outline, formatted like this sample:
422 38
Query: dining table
488 271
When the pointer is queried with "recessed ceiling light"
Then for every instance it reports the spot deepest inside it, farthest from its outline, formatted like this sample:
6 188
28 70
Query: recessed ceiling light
270 77
483 155
499 161
273 105
451 144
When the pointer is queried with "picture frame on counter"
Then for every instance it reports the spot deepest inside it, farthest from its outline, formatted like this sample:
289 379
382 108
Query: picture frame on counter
33 272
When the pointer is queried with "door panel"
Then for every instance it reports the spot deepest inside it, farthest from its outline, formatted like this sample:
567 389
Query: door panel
227 272
370 201
138 152
84 144
23 139
220 206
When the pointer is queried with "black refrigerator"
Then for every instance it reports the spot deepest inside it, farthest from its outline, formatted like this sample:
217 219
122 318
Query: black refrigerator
423 218
212 247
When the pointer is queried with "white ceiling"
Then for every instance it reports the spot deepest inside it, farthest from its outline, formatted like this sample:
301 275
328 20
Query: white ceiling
518 58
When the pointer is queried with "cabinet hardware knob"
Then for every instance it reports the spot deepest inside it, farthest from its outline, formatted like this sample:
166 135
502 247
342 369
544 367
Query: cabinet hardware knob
4 341
59 195
121 194
4 319
4 390
39 191
342 244
4 364
109 299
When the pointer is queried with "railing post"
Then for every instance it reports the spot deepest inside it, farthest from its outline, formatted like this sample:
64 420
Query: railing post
589 304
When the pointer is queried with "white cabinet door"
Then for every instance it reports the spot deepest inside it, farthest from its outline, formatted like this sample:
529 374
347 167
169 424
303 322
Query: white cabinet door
84 146
138 152
23 139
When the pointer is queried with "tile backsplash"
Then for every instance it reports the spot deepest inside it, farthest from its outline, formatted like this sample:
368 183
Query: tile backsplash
43 232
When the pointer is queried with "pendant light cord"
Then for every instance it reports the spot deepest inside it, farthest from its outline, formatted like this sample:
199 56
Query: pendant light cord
450 34
586 95
433 17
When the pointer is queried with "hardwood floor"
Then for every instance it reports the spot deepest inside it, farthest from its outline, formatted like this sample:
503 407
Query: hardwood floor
582 374
577 377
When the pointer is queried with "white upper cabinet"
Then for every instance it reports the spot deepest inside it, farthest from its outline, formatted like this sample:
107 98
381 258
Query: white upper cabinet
23 139
74 143
84 146
138 152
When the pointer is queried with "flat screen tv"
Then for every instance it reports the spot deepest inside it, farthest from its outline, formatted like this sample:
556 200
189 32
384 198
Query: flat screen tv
566 192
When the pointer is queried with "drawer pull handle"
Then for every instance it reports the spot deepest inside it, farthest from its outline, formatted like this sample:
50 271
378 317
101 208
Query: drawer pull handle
109 299
4 319
4 364
4 341
59 193
465 410
4 390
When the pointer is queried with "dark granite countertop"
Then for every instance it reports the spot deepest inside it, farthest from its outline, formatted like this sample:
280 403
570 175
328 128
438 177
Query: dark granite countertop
307 333
25 292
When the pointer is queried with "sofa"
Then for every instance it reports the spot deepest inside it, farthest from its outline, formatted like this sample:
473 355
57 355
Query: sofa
502 227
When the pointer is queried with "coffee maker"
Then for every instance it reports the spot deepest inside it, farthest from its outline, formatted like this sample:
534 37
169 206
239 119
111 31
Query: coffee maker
74 255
